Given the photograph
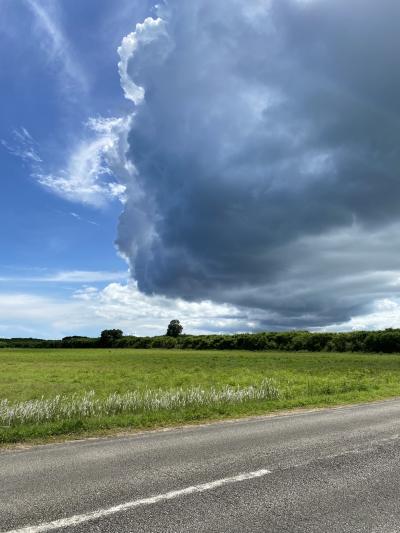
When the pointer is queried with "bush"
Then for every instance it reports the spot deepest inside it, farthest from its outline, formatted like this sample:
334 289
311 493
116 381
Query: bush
387 341
109 337
76 341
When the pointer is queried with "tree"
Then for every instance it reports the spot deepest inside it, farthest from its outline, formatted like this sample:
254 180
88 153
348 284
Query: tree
109 336
174 328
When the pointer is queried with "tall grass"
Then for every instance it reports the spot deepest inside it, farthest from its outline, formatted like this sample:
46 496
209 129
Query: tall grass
87 405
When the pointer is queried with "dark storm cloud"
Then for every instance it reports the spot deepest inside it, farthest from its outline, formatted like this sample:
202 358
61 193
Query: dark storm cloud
266 155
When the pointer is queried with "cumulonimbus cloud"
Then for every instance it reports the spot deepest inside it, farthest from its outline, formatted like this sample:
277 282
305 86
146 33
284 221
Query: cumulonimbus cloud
265 148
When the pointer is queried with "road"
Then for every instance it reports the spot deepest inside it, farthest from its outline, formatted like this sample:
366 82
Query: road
332 470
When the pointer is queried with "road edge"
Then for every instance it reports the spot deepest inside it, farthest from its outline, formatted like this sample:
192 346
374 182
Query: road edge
118 433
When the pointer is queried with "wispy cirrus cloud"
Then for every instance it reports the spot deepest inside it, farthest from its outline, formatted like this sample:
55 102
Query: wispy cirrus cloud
23 146
82 219
68 276
92 167
55 44
95 168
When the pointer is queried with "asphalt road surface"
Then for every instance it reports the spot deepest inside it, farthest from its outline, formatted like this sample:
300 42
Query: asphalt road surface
333 470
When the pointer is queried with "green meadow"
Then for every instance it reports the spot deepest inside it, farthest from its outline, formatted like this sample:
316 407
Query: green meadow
302 379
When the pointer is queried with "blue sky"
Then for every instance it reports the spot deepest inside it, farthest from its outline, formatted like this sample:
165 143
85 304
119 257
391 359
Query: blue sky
278 151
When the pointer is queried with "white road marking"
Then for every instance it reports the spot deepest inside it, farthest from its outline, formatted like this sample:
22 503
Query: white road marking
79 519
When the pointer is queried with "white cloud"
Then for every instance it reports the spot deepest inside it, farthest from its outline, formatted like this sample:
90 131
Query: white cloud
90 166
385 313
55 44
122 305
93 165
82 219
146 32
24 307
69 276
40 316
118 305
23 146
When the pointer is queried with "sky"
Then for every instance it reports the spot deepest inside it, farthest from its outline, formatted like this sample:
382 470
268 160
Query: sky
233 165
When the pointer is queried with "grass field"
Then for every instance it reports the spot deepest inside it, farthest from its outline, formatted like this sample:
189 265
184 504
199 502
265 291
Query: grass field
302 379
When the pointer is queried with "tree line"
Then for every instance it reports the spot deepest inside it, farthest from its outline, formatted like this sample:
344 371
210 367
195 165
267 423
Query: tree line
386 341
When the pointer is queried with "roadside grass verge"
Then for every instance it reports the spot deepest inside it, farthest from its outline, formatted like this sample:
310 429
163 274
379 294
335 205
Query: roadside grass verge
148 401
46 394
